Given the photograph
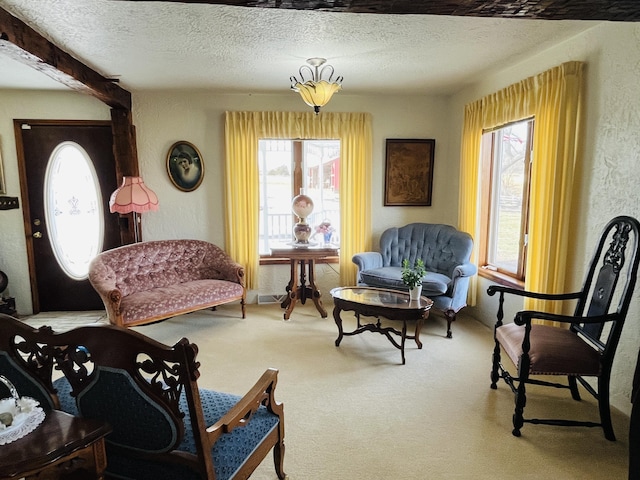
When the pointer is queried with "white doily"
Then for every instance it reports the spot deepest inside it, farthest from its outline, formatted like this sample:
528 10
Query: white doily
25 419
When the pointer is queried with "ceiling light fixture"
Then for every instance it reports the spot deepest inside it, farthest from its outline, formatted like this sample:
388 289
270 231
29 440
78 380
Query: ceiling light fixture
315 90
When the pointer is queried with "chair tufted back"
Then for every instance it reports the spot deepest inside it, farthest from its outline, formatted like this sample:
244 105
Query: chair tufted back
441 247
143 266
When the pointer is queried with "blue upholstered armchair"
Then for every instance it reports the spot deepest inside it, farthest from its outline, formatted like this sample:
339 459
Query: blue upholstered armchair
445 252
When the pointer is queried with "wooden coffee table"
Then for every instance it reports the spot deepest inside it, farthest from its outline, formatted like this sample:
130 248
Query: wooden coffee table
379 302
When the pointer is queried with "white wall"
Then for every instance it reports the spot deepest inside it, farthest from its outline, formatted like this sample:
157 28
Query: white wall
609 171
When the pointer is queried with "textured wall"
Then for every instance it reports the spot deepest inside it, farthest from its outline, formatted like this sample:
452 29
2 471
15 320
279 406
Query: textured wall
609 171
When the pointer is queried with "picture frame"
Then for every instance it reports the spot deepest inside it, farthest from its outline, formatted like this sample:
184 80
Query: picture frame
185 166
408 179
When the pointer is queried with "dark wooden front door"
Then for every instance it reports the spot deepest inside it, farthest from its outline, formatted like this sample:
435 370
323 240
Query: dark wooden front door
53 289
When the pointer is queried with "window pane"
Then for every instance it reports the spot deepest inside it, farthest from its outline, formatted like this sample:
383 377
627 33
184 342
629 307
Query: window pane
322 166
73 209
507 194
318 166
276 177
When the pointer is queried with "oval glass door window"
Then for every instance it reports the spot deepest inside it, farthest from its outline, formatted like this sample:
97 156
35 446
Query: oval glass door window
73 209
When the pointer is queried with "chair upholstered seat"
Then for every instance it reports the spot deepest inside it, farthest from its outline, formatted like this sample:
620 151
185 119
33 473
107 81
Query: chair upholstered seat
391 277
232 449
67 402
554 350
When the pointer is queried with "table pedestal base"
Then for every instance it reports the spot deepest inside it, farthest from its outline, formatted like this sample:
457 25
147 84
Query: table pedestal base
303 286
388 332
302 291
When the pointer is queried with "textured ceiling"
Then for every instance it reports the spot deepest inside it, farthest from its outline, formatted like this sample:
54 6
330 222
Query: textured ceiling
170 45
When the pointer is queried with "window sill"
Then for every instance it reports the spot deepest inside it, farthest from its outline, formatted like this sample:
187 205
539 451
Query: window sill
501 278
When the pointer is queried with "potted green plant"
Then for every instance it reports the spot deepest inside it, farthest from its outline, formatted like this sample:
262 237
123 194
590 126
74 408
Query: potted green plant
412 277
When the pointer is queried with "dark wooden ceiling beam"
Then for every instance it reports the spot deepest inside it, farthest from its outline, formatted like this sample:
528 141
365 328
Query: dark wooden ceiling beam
612 10
23 44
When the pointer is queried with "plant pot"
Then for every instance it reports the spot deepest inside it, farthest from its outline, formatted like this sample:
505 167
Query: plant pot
415 292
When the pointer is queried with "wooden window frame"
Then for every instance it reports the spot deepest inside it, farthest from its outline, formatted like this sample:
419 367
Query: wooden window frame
487 155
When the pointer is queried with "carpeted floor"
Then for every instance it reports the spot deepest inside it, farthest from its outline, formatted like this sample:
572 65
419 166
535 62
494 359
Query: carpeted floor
354 412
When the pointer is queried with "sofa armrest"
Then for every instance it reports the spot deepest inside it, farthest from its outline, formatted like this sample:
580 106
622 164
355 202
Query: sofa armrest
218 264
232 271
367 260
467 269
460 286
103 280
262 393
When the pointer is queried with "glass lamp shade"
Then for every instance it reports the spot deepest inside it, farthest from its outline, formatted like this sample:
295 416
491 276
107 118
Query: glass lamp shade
316 94
302 206
133 196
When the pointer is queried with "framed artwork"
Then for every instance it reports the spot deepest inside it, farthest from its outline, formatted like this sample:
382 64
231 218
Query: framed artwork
408 177
185 166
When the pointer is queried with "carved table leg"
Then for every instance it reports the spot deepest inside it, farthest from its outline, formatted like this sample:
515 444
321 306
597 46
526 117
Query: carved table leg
403 337
338 320
302 288
315 293
292 297
290 286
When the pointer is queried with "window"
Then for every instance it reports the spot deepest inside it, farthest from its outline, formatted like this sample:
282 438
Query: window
505 180
73 209
288 167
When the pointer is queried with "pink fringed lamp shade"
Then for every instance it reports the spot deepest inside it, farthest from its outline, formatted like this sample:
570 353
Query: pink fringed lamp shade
133 196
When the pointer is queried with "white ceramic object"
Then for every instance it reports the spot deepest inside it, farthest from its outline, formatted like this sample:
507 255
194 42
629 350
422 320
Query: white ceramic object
27 415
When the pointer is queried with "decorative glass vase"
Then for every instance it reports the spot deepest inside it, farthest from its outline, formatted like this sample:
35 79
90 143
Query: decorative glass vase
302 231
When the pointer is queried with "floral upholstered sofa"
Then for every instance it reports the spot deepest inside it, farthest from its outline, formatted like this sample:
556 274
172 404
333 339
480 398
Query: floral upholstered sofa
150 281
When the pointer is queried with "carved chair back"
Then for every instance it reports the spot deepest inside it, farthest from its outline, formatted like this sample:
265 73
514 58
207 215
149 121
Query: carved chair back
140 387
600 287
26 362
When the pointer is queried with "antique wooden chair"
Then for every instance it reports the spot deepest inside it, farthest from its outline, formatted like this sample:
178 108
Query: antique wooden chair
163 425
587 347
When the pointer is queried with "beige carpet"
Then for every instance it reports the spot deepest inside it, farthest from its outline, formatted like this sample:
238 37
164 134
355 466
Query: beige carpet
354 412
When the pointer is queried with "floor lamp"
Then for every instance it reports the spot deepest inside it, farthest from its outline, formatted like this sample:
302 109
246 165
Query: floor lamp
133 196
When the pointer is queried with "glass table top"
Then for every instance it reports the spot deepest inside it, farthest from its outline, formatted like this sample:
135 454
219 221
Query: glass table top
380 297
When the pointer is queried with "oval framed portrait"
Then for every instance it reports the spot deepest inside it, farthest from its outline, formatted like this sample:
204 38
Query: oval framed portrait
185 166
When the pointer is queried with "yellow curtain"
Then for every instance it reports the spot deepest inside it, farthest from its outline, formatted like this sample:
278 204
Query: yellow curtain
242 132
469 182
554 98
